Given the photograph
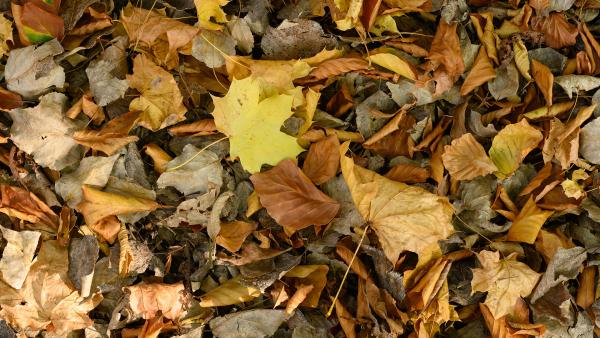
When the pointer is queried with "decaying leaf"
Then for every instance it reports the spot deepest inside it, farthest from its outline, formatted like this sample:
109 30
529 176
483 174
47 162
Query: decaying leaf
405 218
229 293
107 74
528 223
210 14
466 159
160 102
146 300
512 144
17 255
292 199
482 72
252 120
505 280
250 323
112 137
544 79
322 161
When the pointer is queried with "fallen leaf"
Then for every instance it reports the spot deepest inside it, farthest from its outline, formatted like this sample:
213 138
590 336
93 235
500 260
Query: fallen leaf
589 145
159 157
544 79
212 47
482 72
233 234
466 159
565 264
107 73
394 63
228 293
558 32
198 128
522 59
160 103
252 121
511 145
322 161
405 218
38 23
6 35
112 137
529 221
572 84
193 171
98 204
250 323
17 256
210 13
292 199
31 71
408 173
147 300
93 171
314 275
504 280
22 204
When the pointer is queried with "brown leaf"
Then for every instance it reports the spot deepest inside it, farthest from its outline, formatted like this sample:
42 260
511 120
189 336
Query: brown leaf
147 300
37 22
528 223
292 199
323 160
466 159
335 67
408 173
233 234
24 205
302 291
544 79
345 318
198 128
159 157
445 50
482 72
110 138
10 100
315 275
558 32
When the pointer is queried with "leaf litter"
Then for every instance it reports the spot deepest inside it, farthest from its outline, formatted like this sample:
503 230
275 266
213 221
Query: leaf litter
265 168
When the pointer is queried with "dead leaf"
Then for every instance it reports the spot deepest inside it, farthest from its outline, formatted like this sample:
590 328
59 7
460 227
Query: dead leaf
24 205
529 221
292 199
511 145
257 322
408 173
112 137
544 79
466 159
405 218
558 32
313 275
233 234
322 161
482 72
146 300
228 293
17 256
505 280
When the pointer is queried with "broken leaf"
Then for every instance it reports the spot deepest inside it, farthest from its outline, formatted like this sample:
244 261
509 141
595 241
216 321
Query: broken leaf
17 255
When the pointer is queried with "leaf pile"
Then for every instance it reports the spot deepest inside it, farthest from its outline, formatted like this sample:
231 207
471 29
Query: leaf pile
305 168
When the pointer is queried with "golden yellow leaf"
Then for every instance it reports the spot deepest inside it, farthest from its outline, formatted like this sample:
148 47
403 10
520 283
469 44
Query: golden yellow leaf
232 234
98 204
484 26
210 13
394 63
229 293
278 74
544 79
6 34
466 159
504 280
252 122
315 275
482 72
160 102
405 218
529 221
511 145
158 156
521 58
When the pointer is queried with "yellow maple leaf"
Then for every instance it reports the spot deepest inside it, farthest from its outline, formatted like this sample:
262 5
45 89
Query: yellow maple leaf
209 10
511 145
252 122
160 102
405 218
504 280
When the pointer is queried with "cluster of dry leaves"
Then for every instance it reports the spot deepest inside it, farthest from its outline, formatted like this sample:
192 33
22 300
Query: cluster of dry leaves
305 168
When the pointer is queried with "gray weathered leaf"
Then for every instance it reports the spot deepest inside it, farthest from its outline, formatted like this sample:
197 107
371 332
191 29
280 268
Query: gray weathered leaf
45 132
209 47
106 73
365 121
92 170
83 254
199 170
31 71
295 40
564 265
589 141
257 323
506 83
17 255
241 33
550 57
573 83
405 91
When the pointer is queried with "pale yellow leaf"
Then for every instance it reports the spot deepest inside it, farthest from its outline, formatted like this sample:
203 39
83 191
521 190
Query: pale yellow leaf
394 63
229 293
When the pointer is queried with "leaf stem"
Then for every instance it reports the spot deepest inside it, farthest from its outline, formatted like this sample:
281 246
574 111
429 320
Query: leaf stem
198 153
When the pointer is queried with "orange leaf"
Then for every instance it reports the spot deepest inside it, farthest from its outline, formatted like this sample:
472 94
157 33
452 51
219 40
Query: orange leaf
528 223
292 199
323 160
544 79
558 32
466 159
148 299
408 173
112 137
482 72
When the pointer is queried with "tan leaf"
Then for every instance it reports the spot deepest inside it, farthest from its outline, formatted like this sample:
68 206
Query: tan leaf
544 79
522 58
528 223
466 159
17 255
158 156
112 137
405 218
335 67
233 234
292 199
147 300
558 32
323 160
504 280
302 291
482 72
395 63
512 326
345 318
198 128
98 204
315 275
160 102
445 50
484 26
511 145
229 293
